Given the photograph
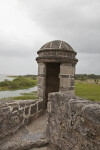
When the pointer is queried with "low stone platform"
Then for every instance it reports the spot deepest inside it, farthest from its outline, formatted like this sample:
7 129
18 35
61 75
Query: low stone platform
32 137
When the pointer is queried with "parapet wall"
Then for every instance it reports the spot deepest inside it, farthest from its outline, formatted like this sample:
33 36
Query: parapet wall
17 114
73 123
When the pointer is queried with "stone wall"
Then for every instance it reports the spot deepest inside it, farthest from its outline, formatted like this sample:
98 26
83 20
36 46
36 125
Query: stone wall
73 123
17 114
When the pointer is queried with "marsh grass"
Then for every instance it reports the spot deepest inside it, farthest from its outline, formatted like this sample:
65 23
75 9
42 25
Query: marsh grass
24 96
89 91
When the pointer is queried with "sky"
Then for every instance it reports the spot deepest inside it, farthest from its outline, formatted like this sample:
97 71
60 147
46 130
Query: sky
26 25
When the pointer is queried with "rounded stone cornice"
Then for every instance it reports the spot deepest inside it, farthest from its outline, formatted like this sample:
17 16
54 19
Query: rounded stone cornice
56 60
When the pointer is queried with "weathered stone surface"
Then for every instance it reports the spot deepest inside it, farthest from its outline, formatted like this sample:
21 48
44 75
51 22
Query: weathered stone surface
73 123
40 93
33 109
64 82
30 119
41 68
57 44
32 136
66 69
67 82
41 80
15 115
72 83
40 105
56 69
27 110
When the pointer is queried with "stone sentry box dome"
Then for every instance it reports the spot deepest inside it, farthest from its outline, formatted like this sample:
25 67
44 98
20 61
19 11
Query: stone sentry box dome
56 69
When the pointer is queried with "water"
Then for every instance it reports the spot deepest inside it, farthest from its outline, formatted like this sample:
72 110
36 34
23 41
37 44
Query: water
14 93
4 77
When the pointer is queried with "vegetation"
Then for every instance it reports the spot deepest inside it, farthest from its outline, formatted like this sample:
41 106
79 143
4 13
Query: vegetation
89 91
86 86
20 82
24 96
87 76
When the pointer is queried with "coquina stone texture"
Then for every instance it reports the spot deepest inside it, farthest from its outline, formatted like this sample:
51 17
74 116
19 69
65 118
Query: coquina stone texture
17 114
56 69
73 123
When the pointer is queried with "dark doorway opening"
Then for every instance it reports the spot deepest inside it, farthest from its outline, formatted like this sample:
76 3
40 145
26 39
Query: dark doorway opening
52 79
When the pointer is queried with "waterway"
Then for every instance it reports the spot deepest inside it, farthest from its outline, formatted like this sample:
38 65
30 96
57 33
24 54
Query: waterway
5 77
14 93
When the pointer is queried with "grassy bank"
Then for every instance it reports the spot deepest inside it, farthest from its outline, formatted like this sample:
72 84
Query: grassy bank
89 91
87 88
24 96
20 82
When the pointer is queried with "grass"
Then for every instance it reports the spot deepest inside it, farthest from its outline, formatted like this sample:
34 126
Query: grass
89 91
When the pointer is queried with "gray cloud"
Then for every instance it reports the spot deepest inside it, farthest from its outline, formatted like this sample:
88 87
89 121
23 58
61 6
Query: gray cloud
27 25
75 21
17 65
88 63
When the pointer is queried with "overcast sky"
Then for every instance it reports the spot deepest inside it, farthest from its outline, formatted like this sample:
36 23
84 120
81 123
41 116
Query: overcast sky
26 25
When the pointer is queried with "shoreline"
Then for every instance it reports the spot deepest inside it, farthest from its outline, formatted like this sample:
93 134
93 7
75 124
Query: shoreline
7 89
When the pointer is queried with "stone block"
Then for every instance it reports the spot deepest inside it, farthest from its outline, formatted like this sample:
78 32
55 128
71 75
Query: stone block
72 82
33 109
72 76
5 110
64 89
64 76
40 105
41 68
71 88
64 82
41 82
67 69
91 112
40 93
22 104
27 110
30 119
28 103
15 107
26 121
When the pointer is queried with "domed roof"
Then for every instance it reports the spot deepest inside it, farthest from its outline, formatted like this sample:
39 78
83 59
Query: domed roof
56 51
57 44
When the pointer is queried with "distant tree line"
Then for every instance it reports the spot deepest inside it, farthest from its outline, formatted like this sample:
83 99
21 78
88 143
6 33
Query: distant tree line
87 76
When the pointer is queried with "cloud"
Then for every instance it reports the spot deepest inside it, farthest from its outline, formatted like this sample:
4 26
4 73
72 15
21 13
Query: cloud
19 34
18 66
88 63
74 21
27 25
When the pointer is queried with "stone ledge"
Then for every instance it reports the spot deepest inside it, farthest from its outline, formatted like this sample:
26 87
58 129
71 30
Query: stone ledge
73 122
